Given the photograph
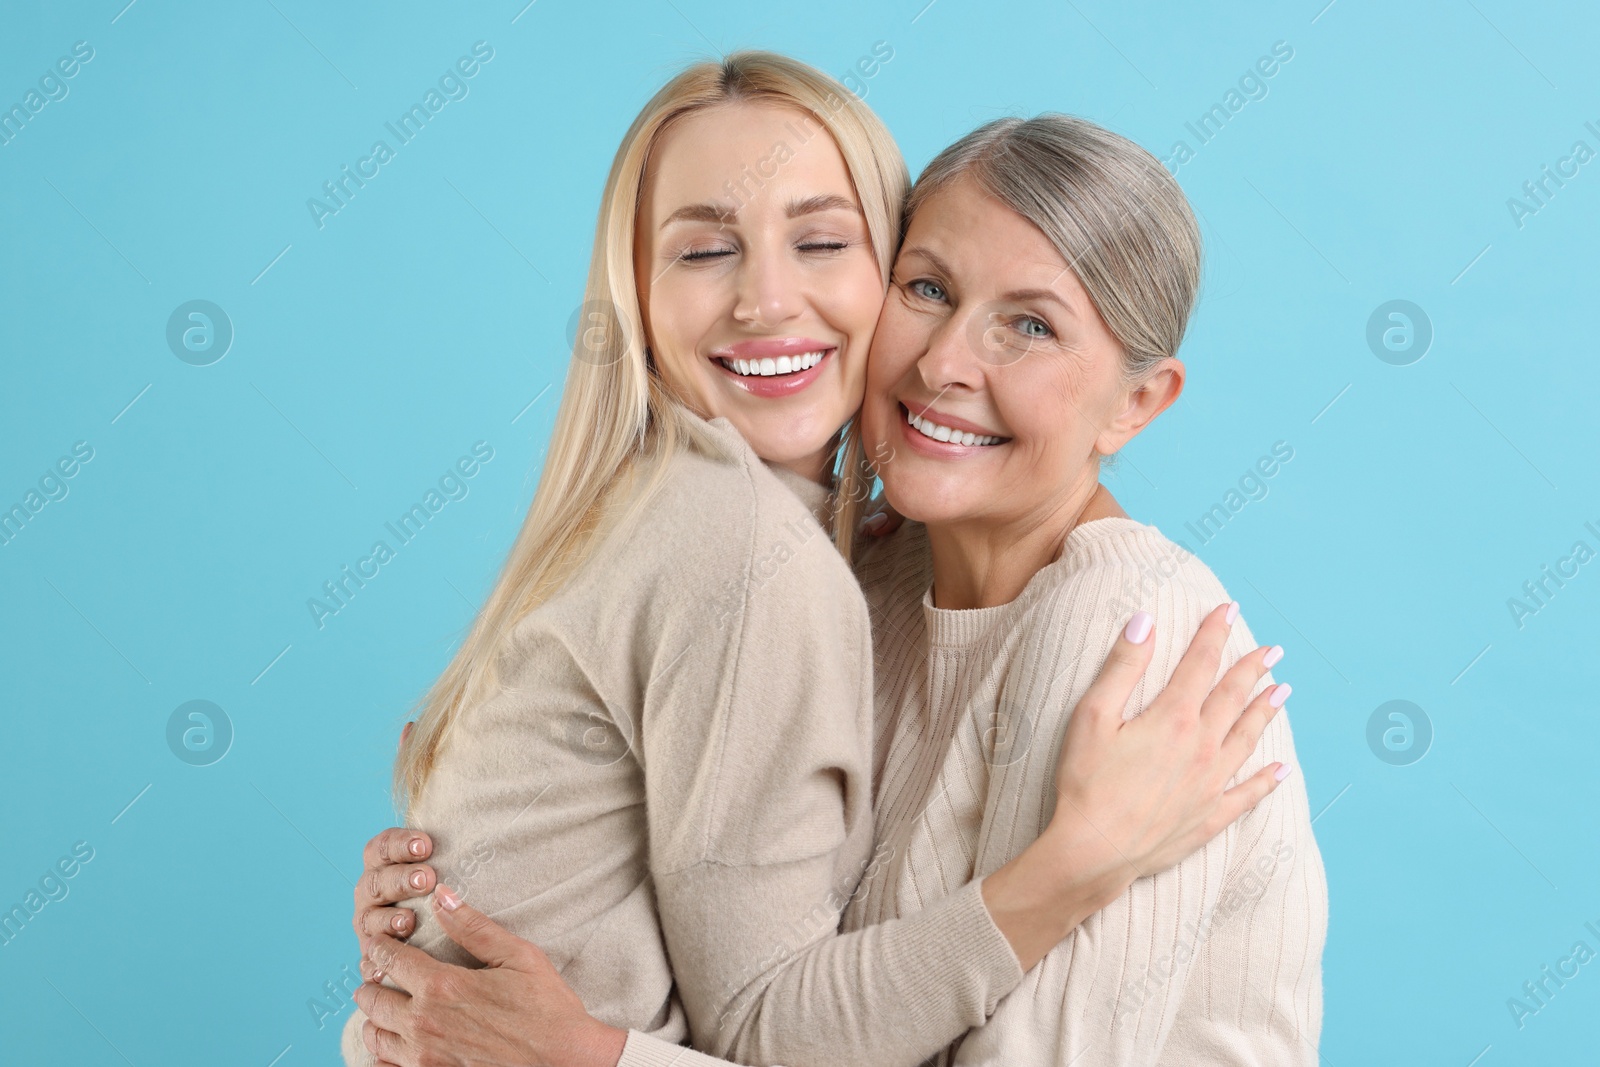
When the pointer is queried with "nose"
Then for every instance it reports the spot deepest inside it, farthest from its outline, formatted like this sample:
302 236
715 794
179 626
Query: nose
769 289
949 363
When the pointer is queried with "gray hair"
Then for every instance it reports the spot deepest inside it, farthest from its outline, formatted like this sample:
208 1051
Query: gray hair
1111 209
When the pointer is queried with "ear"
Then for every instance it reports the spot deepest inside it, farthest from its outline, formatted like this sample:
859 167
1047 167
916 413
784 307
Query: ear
1160 387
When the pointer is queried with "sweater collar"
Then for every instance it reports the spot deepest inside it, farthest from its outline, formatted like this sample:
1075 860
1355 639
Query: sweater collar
818 499
962 628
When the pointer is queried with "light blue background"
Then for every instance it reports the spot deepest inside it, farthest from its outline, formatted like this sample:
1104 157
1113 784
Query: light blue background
430 313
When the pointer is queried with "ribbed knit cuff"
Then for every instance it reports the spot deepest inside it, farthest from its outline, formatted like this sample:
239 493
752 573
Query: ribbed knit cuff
642 1050
961 951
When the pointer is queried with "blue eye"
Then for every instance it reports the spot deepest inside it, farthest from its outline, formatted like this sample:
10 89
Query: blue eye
1034 327
924 288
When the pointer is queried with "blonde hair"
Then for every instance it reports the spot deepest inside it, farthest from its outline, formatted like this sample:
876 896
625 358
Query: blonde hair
618 422
1115 214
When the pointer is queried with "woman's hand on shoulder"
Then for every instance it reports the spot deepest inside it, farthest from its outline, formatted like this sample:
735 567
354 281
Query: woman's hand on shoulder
1155 787
1135 796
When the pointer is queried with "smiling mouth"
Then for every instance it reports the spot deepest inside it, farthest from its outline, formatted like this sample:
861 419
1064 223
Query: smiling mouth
774 366
930 429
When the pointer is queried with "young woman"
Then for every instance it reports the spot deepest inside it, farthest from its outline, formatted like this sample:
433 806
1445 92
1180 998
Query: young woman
720 650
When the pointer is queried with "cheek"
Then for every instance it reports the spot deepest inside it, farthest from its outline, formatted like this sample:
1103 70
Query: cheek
865 303
675 336
895 346
683 312
1054 420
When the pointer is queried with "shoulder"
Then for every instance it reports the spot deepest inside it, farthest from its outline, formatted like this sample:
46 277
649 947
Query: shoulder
1113 567
713 491
1109 569
717 527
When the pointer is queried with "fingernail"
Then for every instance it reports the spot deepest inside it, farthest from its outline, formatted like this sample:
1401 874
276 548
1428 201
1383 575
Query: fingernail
1139 627
415 847
875 522
399 923
447 900
1280 693
417 880
1274 654
1281 773
1233 613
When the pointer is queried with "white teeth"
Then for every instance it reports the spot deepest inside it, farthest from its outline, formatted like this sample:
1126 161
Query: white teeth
769 366
929 428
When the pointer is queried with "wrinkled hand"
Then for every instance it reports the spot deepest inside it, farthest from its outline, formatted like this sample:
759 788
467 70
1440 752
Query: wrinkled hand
1155 786
515 1010
392 873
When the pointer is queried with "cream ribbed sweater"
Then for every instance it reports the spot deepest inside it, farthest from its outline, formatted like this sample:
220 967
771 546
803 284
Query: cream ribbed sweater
1216 961
673 787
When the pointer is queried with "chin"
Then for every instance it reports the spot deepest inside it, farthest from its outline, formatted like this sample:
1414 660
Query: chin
925 500
785 444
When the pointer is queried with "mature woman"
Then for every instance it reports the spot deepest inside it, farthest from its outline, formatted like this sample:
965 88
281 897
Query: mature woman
1037 303
750 874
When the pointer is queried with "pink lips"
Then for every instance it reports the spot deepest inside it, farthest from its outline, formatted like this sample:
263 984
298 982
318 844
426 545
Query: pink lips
949 420
761 348
779 385
928 446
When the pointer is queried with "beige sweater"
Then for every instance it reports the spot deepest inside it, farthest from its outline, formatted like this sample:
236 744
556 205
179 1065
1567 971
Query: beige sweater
1214 962
674 784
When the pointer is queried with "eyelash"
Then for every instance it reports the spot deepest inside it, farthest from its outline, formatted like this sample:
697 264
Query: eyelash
716 253
1048 332
912 285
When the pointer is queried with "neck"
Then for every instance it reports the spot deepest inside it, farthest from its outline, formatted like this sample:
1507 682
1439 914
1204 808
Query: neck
985 565
816 467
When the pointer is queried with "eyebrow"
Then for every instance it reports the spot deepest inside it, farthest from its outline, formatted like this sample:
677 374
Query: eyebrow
702 213
1018 295
1022 296
811 205
723 215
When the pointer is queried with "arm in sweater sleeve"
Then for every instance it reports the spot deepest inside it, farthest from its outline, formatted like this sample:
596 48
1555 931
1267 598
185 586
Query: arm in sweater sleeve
1254 997
761 827
1213 961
